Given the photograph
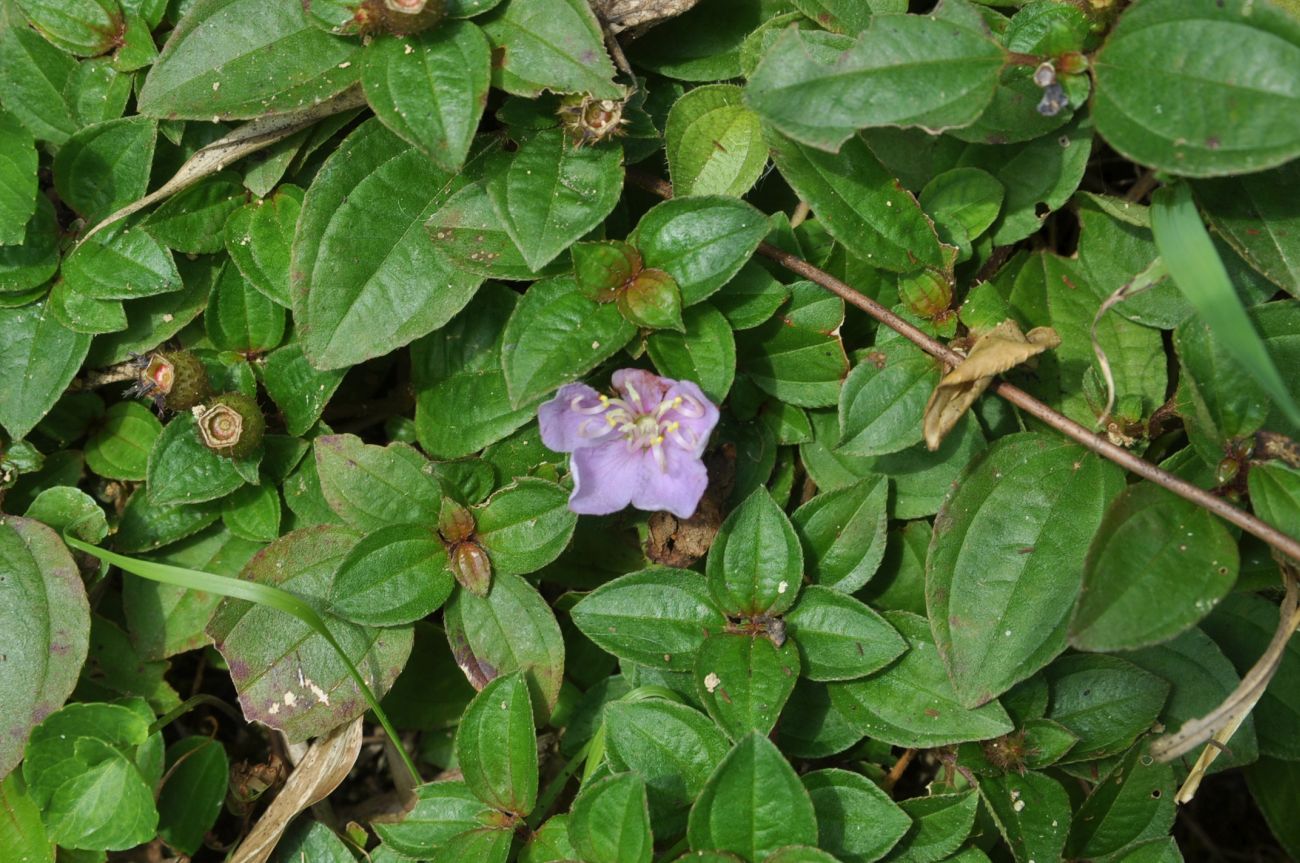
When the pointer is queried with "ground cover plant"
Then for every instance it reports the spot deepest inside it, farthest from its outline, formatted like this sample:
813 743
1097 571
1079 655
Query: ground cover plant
776 431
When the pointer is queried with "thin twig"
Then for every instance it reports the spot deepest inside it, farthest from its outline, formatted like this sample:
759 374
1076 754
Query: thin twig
900 767
1287 545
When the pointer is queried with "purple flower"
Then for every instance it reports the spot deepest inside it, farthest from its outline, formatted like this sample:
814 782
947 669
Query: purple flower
642 448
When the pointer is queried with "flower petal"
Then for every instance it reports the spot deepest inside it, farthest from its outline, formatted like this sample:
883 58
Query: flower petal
565 429
648 387
606 477
677 489
697 415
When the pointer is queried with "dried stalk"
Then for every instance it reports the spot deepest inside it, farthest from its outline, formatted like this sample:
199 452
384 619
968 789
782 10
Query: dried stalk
1286 545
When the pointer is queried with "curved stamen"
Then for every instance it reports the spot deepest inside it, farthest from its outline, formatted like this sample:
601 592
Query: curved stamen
577 407
660 458
688 442
690 408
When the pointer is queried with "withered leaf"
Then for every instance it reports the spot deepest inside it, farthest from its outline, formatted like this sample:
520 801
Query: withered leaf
1001 348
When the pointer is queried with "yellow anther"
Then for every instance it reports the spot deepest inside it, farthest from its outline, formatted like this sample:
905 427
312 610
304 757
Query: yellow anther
609 419
677 401
674 426
604 400
659 440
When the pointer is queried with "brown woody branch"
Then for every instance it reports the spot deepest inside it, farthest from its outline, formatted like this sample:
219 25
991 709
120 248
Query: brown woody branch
1286 545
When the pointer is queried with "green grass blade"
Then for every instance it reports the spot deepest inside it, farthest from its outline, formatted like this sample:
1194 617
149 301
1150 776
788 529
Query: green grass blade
262 594
1194 263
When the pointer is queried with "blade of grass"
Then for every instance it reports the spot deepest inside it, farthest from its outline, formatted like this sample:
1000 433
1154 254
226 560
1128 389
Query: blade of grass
262 594
1194 263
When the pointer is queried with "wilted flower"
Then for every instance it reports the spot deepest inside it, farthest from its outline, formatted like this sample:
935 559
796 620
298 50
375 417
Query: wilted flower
643 447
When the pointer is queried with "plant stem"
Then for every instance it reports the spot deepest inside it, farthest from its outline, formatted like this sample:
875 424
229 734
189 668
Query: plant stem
1275 538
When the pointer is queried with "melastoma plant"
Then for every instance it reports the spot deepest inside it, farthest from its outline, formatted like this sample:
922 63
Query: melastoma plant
642 431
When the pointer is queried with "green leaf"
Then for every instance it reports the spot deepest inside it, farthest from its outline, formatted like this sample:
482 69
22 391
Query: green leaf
937 71
253 512
146 526
940 824
751 297
21 829
84 314
124 266
510 629
744 680
1007 559
798 356
352 300
86 29
714 144
488 844
755 564
1242 626
610 821
38 358
554 193
884 398
840 638
259 238
1195 112
35 258
287 674
308 839
442 811
119 448
1153 549
66 508
1254 214
497 748
843 533
297 388
44 630
725 817
964 203
912 703
856 820
1198 271
396 575
371 487
431 88
701 241
674 748
17 179
1133 803
657 617
860 203
847 16
239 59
33 74
191 796
106 806
525 525
194 220
1275 785
556 335
1106 701
241 318
1030 811
95 92
461 404
105 166
182 470
705 353
551 45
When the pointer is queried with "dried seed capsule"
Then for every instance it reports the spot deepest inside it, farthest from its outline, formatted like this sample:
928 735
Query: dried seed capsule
232 425
589 121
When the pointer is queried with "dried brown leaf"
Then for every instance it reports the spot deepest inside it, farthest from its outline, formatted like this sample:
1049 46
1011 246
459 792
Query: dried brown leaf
1001 348
326 764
